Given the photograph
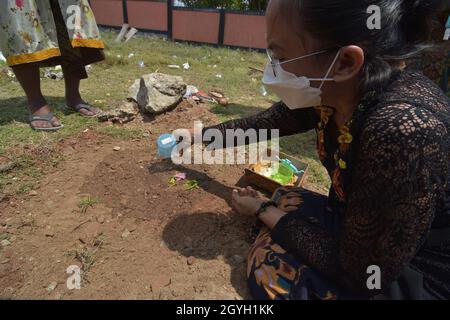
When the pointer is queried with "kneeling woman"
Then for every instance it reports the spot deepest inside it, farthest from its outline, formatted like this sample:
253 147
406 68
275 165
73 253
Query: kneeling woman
383 135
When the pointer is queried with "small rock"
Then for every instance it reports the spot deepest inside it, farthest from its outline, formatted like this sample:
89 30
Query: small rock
190 261
49 234
5 261
5 243
33 193
52 286
116 148
126 233
125 113
101 219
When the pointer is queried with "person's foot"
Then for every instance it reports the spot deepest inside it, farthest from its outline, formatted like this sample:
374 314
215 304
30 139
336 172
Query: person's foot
72 103
43 111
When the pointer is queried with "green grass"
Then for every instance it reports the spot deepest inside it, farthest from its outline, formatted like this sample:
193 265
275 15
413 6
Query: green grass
120 133
85 204
108 85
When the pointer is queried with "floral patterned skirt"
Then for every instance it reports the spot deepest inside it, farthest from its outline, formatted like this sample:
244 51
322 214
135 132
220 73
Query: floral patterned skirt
49 33
274 274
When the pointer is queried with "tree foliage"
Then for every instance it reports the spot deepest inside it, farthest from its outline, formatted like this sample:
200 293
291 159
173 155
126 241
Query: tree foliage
251 5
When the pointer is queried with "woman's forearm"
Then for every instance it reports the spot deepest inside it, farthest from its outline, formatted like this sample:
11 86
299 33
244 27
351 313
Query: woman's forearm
271 216
278 117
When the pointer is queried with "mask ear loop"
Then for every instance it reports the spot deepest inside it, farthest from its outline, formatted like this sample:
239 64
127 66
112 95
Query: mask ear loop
329 70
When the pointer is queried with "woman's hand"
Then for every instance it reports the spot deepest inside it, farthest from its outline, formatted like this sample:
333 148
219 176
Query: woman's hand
246 201
250 192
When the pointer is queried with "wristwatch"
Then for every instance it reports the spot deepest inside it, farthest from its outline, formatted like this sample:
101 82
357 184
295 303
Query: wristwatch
264 206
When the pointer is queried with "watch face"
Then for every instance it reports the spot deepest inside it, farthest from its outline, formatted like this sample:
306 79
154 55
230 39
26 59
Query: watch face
276 196
279 193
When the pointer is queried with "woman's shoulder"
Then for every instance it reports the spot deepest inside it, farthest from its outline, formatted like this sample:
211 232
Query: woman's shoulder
403 136
412 108
406 126
413 87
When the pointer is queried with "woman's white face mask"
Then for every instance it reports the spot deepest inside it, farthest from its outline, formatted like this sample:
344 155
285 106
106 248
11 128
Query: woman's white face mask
295 92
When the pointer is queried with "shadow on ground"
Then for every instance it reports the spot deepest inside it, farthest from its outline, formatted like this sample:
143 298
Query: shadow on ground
210 235
16 109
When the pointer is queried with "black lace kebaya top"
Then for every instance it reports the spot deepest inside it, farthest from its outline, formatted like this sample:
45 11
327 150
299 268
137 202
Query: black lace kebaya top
390 169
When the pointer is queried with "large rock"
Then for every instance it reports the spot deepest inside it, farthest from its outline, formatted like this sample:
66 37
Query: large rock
156 92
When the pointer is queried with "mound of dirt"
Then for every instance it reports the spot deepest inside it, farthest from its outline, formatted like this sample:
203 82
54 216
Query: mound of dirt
114 215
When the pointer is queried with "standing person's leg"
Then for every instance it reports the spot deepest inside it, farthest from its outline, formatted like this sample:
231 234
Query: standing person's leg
73 64
73 96
29 78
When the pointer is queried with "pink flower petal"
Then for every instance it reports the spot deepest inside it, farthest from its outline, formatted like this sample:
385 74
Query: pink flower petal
180 176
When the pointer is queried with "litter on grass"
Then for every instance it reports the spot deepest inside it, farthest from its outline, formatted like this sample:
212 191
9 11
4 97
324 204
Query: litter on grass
122 32
130 34
263 91
53 74
190 91
9 73
216 95
204 97
201 96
